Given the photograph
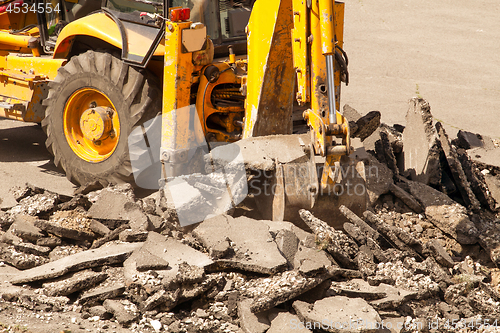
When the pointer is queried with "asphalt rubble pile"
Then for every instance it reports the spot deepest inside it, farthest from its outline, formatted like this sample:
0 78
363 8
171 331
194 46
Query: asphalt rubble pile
423 256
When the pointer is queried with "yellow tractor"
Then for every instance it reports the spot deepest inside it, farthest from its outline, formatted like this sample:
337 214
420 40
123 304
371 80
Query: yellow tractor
98 75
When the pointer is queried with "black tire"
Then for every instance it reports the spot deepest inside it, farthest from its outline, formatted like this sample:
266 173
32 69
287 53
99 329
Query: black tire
135 95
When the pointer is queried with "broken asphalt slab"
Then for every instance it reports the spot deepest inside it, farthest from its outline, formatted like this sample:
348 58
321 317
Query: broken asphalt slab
66 285
456 169
252 322
468 140
485 156
478 182
378 179
64 232
99 294
24 227
421 144
284 322
444 213
122 313
169 251
119 207
251 246
383 296
269 292
108 255
339 314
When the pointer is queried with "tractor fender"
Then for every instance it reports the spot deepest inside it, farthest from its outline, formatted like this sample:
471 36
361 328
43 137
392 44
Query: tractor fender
99 26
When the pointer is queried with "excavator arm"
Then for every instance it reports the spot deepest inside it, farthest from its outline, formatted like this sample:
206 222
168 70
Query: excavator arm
312 33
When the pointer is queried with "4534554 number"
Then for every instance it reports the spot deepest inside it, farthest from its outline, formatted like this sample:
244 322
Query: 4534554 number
35 8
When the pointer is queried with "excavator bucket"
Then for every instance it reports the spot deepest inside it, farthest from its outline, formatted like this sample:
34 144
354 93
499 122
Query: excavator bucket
284 176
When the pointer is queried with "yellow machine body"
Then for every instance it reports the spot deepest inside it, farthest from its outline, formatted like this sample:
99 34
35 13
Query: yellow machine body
101 27
287 68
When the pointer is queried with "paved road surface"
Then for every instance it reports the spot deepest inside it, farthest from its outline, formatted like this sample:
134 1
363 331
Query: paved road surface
447 50
24 158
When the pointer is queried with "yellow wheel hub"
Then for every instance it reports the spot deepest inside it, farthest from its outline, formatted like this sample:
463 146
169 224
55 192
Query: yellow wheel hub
91 125
96 123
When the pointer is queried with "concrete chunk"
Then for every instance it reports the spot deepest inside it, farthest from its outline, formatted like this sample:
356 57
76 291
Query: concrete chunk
485 156
350 113
421 144
356 288
98 295
364 227
338 311
20 260
269 292
365 261
252 322
288 244
169 250
253 246
381 297
32 248
21 192
51 242
9 238
489 239
122 314
493 183
286 322
74 282
468 140
77 201
88 187
99 228
190 204
37 205
63 232
68 224
406 197
24 227
478 182
162 297
119 206
445 213
394 298
149 261
99 311
86 259
367 124
130 235
438 274
335 242
311 261
261 153
384 147
434 248
112 235
456 169
398 237
378 179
